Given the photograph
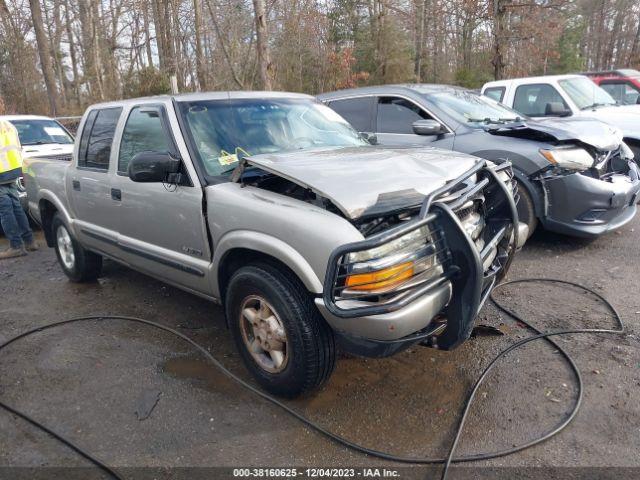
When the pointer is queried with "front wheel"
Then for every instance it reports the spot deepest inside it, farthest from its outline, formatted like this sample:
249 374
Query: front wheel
78 264
284 342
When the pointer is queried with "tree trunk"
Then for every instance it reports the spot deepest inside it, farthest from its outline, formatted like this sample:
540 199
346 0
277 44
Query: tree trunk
634 56
262 35
72 52
197 17
499 16
147 35
45 56
88 31
417 64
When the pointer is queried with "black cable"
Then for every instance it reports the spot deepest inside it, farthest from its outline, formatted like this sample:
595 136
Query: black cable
344 441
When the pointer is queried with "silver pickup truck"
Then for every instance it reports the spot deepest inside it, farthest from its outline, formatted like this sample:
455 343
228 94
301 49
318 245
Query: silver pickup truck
272 205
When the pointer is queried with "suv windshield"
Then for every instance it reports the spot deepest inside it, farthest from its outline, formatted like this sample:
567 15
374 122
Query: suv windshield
41 132
473 109
585 94
224 131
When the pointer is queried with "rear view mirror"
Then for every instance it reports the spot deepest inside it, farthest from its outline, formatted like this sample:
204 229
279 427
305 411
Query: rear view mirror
426 127
152 167
556 109
372 138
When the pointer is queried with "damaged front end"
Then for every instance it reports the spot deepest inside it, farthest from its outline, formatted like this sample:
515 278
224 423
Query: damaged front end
594 199
451 250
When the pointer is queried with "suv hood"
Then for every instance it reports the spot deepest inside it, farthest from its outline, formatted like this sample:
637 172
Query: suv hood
368 180
586 130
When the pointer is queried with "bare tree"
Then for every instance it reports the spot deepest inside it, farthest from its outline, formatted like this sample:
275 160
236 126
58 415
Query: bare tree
45 55
262 34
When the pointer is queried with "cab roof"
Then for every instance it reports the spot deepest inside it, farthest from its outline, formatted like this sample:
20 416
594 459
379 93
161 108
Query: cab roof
200 96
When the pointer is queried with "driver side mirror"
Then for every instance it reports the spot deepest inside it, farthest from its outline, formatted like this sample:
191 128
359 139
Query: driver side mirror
372 138
556 109
147 167
427 127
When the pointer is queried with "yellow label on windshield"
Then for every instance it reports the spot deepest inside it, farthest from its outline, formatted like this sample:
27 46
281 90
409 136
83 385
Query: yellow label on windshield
227 159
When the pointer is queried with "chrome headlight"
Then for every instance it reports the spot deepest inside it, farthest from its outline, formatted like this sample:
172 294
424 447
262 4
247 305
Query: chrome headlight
571 158
385 267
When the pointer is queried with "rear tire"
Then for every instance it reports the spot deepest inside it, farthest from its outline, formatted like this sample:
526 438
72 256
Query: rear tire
79 264
526 209
284 342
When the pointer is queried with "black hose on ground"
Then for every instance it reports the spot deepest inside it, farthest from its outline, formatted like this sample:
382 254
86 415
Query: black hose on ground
446 461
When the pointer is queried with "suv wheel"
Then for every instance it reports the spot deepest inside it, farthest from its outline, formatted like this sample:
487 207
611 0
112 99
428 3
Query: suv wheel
77 263
283 340
526 209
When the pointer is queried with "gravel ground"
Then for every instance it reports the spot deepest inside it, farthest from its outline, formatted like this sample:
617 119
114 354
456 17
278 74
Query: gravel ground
87 381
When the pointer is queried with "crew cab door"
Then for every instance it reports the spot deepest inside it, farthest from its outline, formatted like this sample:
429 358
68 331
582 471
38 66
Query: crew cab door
89 183
161 226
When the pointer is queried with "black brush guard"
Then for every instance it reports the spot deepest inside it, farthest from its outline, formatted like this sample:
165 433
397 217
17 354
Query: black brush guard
462 264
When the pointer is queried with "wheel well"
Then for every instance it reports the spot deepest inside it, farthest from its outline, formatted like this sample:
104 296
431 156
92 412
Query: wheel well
240 257
47 211
534 191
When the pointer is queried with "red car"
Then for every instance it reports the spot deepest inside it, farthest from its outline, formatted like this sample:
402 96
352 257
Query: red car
623 85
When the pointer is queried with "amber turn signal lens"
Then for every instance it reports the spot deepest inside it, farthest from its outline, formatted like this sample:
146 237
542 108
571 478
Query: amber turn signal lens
381 278
549 156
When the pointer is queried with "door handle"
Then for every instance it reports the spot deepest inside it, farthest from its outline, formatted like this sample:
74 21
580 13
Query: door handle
116 194
76 184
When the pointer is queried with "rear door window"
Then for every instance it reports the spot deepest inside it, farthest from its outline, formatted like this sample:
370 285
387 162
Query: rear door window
495 93
357 111
396 115
534 100
97 138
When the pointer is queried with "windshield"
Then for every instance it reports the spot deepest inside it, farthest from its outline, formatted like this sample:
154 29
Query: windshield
225 131
473 109
585 93
41 132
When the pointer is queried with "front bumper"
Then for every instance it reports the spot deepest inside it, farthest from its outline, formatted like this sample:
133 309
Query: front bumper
442 309
585 206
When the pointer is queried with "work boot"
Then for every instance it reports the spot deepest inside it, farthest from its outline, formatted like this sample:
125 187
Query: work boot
12 253
32 246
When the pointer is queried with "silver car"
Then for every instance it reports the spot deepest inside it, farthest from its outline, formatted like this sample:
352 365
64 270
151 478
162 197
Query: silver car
273 206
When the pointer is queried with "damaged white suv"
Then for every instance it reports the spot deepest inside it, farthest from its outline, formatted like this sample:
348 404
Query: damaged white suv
271 204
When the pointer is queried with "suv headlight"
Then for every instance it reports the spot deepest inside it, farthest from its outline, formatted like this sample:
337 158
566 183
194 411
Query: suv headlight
387 266
571 158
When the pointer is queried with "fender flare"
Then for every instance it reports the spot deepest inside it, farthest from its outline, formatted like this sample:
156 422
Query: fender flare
268 245
49 196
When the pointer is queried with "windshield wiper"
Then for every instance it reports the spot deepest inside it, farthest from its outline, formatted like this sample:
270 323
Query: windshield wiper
488 120
596 105
39 142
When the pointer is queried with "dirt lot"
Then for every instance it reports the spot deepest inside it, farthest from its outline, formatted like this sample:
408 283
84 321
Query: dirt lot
86 381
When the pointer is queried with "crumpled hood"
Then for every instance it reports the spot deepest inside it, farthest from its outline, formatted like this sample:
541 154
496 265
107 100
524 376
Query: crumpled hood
624 117
587 130
368 180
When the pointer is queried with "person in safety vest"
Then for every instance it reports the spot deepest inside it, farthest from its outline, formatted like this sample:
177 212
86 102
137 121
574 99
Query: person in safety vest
14 221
